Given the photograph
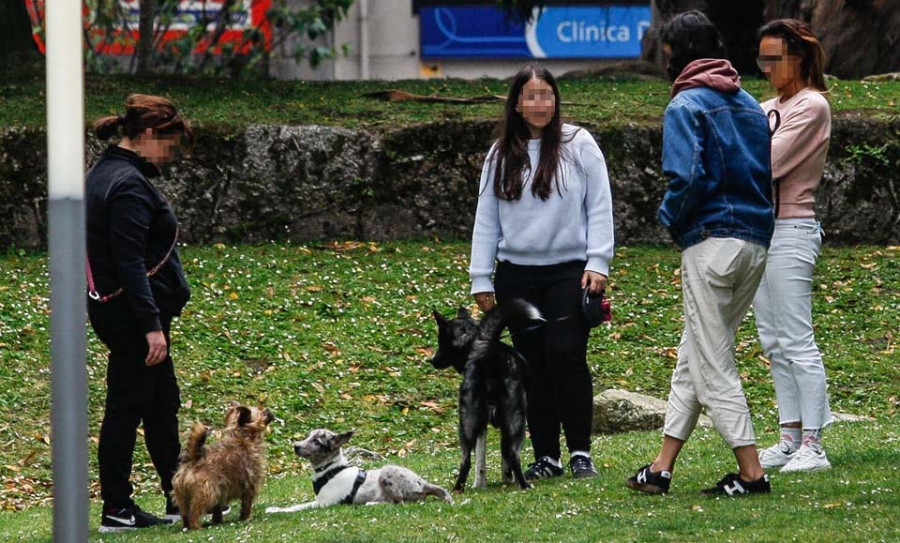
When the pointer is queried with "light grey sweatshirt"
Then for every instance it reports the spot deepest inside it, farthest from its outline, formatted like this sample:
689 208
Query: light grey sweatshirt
576 224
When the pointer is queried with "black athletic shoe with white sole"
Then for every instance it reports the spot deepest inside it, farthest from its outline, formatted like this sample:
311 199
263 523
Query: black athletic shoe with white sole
543 469
129 518
733 485
582 467
651 483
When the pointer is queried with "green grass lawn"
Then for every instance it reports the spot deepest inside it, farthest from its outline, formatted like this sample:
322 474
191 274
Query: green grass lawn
338 335
857 500
237 103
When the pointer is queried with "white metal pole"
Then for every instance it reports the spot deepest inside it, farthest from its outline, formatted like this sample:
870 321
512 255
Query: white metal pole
66 239
363 39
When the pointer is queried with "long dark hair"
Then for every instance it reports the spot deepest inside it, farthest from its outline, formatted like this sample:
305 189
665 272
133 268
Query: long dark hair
143 111
512 135
800 41
692 36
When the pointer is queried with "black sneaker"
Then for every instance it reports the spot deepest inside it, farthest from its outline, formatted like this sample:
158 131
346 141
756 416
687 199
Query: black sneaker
173 514
732 485
582 467
129 518
543 469
651 483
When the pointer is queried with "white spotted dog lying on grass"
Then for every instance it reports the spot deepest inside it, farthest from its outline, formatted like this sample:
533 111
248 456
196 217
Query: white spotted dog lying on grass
336 482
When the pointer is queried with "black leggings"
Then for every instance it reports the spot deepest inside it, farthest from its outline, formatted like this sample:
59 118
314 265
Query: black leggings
135 393
560 391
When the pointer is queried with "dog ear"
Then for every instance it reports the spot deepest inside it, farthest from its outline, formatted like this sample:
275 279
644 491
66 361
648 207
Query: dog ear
268 416
244 415
439 319
340 440
232 407
463 313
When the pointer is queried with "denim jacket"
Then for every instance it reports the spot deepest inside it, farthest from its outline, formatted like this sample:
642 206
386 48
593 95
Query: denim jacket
716 157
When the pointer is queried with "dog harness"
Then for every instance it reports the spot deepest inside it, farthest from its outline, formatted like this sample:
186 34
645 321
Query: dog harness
326 477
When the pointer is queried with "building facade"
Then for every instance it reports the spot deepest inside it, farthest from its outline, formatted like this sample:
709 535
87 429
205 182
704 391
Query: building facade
412 39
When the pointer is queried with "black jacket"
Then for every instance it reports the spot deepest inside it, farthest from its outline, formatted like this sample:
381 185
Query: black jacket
130 228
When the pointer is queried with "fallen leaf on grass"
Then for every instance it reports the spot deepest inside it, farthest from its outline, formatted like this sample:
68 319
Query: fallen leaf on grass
432 406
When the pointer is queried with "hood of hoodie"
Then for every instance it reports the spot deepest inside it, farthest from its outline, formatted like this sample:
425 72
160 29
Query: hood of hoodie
715 73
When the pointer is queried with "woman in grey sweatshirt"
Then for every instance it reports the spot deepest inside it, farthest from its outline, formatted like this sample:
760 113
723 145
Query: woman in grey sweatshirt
545 218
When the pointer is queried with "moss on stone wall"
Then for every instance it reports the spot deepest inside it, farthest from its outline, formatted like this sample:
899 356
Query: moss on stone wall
263 182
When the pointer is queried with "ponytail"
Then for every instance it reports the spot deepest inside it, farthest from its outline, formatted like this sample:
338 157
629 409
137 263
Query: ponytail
106 127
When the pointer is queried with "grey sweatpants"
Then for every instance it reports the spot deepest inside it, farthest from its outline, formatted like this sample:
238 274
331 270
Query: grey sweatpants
719 278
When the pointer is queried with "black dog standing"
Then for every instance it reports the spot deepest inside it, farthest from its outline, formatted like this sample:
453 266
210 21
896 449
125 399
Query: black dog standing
493 386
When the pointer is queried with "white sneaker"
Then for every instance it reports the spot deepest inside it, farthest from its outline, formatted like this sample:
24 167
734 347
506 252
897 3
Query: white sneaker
808 458
775 456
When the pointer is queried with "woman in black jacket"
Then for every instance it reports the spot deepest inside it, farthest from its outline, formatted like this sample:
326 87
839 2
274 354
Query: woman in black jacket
136 286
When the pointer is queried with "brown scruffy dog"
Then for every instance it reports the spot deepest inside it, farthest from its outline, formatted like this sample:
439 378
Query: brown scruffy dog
233 468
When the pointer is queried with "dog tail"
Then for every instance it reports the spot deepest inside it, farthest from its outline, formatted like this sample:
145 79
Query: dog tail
193 449
515 311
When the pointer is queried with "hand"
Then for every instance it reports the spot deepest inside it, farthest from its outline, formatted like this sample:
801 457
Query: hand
485 301
595 282
157 348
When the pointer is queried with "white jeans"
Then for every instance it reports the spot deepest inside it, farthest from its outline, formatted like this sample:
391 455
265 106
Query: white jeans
783 307
718 279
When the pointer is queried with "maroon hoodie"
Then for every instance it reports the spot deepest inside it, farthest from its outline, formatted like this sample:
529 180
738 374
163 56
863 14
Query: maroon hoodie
715 73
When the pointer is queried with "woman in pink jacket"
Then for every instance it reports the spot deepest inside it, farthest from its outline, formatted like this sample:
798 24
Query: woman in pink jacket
793 61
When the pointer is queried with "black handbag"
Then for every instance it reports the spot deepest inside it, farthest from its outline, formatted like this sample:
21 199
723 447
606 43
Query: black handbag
595 307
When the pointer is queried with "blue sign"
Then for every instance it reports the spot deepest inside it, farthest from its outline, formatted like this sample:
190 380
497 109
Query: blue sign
559 32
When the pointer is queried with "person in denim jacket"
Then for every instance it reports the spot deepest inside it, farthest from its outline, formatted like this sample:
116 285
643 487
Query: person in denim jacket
718 209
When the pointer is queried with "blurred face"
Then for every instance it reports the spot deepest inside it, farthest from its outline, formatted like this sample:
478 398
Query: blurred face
537 105
781 69
158 148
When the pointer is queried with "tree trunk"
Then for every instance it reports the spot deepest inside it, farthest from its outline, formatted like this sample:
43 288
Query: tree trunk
145 37
860 37
16 42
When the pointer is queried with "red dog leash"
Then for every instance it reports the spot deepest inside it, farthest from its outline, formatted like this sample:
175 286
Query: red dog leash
96 296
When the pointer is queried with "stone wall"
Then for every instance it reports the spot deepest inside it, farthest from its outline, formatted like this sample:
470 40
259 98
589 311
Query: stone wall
303 183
